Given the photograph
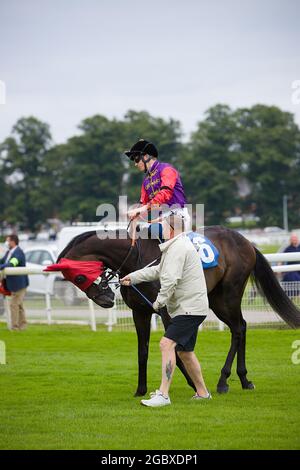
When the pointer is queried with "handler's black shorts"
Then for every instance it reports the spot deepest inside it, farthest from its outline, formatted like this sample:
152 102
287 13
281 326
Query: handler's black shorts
183 329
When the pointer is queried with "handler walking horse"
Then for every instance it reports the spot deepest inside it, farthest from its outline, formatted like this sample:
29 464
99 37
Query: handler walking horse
225 285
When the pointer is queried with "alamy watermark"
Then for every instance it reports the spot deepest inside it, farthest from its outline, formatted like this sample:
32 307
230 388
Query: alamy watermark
192 216
2 92
296 93
2 353
295 358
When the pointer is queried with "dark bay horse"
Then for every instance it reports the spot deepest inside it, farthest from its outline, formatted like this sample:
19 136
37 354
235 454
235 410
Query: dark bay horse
225 284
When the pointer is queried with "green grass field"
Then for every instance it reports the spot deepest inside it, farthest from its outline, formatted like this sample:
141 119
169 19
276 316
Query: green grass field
70 388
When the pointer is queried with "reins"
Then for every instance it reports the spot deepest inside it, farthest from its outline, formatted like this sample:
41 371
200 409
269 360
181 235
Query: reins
133 240
116 273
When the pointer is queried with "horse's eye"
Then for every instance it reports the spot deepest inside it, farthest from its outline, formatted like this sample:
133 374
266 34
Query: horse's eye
80 279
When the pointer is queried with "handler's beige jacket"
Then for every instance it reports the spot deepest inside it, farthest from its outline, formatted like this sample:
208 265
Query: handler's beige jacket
183 288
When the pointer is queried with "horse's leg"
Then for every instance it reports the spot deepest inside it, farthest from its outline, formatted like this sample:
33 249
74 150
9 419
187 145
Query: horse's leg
223 386
142 323
166 321
241 359
229 312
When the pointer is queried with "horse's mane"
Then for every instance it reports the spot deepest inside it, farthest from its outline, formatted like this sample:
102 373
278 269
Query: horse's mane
75 241
84 236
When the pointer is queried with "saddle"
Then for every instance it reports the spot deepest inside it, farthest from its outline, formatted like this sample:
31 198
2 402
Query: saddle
207 251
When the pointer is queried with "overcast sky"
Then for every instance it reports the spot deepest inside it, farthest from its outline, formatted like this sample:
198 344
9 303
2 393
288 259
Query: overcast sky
64 60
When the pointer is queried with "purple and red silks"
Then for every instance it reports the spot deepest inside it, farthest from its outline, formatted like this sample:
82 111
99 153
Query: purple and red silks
80 273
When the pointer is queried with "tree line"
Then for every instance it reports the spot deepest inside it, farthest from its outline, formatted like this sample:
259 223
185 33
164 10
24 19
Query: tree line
236 162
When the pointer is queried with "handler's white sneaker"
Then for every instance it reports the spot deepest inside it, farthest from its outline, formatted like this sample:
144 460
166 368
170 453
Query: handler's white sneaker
157 399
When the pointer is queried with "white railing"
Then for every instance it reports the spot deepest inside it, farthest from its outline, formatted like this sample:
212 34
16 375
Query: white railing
120 315
18 271
271 257
284 258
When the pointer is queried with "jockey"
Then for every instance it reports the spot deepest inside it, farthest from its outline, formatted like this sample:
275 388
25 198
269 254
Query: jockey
161 188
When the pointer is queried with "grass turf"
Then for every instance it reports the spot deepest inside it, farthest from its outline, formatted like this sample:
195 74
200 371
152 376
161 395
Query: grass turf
70 388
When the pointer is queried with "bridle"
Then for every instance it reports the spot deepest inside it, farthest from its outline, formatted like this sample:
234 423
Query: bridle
109 273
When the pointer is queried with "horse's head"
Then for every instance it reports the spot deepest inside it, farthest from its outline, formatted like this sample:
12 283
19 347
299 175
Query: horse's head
88 276
101 293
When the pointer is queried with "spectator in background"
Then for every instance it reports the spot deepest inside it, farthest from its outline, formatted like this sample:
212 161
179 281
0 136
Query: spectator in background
16 284
292 276
52 233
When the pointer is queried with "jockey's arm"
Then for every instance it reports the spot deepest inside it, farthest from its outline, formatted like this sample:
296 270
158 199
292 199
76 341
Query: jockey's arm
168 181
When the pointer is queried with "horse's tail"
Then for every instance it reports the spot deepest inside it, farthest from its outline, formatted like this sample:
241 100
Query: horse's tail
269 287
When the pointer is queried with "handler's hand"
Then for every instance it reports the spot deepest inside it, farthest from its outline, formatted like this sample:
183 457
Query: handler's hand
125 281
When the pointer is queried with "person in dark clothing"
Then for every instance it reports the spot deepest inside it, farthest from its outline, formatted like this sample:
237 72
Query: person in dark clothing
14 257
294 247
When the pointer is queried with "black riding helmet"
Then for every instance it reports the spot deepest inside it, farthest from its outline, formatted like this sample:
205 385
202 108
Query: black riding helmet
140 149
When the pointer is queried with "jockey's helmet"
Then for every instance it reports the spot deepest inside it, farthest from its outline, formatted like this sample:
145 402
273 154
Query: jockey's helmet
140 148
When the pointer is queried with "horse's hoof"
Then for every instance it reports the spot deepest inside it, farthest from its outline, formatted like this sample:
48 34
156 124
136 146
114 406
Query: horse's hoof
222 388
140 393
249 386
